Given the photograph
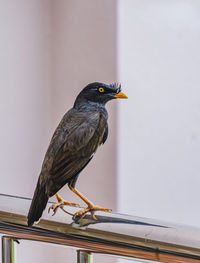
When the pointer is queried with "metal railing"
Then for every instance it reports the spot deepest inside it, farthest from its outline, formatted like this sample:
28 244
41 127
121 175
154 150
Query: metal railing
115 234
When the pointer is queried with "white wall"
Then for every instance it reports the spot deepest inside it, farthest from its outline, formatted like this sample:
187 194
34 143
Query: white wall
159 126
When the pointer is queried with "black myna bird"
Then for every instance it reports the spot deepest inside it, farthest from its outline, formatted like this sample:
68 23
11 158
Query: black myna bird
82 129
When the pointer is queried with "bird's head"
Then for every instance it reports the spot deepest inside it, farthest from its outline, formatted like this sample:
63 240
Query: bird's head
100 93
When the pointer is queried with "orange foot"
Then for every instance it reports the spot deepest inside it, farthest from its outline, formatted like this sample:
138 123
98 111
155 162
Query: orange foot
60 204
91 208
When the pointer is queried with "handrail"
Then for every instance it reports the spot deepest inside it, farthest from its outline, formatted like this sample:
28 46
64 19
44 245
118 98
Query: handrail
115 234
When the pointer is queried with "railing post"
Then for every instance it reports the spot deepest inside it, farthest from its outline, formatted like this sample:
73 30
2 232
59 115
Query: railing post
84 257
8 250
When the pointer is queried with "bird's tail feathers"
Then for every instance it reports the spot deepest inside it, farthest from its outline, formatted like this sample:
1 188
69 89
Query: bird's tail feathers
38 204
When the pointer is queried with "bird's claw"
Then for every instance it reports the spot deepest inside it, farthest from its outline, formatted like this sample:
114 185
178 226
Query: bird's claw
91 208
55 206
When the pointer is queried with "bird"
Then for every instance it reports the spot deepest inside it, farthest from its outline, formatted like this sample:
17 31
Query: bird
80 132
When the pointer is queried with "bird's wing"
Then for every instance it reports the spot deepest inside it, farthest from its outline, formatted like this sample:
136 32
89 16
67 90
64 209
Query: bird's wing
105 136
76 146
69 123
74 151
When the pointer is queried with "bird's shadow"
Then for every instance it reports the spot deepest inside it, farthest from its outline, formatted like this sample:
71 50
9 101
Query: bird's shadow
83 223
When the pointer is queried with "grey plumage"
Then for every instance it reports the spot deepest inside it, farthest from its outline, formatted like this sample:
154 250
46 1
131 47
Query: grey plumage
82 129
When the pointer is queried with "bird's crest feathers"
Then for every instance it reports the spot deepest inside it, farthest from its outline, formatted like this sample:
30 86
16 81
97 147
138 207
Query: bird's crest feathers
116 85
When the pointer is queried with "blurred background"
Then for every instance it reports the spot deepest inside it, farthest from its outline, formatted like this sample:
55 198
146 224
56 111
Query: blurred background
50 50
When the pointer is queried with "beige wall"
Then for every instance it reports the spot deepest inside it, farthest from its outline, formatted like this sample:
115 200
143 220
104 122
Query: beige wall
49 51
25 92
84 51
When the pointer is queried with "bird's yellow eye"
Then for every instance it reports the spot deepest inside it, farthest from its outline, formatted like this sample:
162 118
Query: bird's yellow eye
101 89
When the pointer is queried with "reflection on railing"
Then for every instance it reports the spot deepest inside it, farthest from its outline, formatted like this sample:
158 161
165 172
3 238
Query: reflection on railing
115 234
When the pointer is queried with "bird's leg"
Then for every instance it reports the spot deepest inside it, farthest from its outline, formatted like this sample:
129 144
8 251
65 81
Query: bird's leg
91 207
60 204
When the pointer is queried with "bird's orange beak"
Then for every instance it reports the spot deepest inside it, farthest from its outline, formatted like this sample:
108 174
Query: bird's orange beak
121 95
